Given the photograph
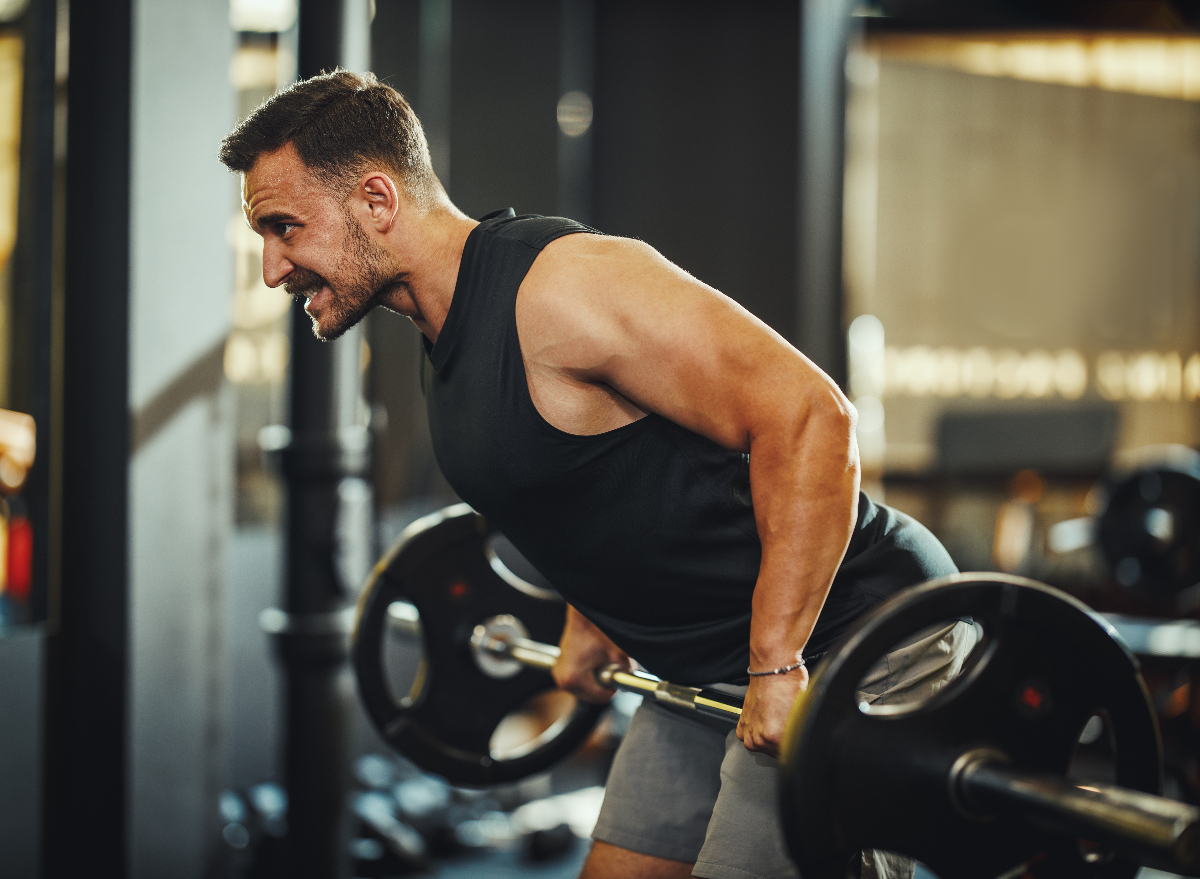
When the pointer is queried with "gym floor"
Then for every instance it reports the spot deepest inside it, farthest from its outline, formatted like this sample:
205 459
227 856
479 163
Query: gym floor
510 865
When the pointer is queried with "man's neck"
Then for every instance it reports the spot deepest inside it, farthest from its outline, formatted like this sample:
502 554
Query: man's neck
434 244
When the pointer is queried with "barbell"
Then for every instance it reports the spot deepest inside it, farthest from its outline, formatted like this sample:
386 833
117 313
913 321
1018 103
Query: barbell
980 780
500 649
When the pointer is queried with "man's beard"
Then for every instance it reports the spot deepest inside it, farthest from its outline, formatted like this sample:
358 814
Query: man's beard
363 266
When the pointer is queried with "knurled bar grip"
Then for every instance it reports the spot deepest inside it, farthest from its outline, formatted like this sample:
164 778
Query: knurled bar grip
614 677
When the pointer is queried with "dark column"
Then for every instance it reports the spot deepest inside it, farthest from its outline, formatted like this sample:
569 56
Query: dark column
402 455
577 75
825 25
311 630
434 77
87 652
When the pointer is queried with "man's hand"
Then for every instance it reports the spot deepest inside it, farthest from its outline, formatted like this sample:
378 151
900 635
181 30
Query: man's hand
584 649
765 712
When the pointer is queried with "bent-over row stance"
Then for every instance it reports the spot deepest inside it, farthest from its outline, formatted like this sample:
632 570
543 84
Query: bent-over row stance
686 479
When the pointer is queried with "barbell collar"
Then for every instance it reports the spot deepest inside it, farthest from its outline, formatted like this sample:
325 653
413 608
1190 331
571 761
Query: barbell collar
1162 833
698 699
531 653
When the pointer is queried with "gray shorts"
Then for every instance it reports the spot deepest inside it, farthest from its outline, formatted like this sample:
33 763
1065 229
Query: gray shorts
683 787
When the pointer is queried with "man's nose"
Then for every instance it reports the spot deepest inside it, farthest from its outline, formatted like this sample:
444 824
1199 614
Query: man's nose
276 267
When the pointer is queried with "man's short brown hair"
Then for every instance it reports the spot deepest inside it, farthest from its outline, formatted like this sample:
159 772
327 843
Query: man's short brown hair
340 124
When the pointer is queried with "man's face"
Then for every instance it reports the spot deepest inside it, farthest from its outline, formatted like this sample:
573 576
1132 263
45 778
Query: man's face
314 245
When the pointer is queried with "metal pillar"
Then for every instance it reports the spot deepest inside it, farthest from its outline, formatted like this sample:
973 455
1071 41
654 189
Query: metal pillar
577 73
433 82
327 446
825 27
87 652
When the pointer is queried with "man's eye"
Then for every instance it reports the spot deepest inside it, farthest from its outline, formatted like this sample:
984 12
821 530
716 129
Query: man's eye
286 228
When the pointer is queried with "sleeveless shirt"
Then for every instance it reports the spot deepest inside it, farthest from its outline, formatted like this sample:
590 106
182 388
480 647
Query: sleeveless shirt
648 529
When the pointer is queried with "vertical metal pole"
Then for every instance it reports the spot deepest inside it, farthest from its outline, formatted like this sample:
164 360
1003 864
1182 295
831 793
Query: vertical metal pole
433 83
87 656
326 447
825 27
577 73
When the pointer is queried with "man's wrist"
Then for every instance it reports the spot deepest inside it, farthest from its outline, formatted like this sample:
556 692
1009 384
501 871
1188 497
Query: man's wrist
796 664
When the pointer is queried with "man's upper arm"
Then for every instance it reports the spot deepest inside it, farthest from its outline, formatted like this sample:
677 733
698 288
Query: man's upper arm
615 311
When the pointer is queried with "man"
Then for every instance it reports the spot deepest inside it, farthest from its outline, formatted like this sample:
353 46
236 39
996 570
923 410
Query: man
686 478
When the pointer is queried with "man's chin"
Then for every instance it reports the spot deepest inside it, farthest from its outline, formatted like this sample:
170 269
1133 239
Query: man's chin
329 327
328 332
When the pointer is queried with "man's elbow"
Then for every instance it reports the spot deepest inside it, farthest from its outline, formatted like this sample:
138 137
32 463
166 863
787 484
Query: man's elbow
834 411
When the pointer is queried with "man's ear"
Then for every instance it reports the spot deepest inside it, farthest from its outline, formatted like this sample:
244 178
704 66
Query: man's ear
380 198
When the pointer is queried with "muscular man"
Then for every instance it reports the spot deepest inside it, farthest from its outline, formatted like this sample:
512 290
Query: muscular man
687 479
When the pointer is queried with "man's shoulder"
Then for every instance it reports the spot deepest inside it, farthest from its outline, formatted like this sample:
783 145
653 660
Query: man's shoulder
533 230
587 251
590 286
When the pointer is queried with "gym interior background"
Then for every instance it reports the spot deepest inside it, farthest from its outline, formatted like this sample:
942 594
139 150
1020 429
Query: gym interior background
982 219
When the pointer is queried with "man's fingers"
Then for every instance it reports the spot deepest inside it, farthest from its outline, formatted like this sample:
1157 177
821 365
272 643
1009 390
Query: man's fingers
592 692
755 740
760 745
583 685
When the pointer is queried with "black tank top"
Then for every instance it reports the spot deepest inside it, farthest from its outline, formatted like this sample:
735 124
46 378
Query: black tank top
648 529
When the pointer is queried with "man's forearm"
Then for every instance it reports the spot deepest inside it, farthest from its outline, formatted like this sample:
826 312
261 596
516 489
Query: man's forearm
805 491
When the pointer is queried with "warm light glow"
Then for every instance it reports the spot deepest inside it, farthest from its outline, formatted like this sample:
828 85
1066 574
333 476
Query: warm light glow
12 51
866 350
1008 374
18 447
256 357
574 114
262 16
1147 375
255 304
1166 66
980 372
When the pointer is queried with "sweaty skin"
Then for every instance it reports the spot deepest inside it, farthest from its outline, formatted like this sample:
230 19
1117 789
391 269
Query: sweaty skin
609 330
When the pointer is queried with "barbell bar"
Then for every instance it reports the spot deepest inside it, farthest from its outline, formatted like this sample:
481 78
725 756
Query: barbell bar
1156 830
494 639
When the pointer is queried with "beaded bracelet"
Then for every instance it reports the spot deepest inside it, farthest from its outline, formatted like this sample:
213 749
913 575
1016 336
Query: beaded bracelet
782 670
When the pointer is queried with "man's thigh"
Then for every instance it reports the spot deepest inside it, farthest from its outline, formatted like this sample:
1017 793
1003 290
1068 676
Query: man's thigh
745 838
663 783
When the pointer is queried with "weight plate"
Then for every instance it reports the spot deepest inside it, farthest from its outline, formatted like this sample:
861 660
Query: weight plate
853 780
441 565
1150 528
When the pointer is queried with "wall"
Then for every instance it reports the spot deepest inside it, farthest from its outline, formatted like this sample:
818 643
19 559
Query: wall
1023 216
695 144
181 472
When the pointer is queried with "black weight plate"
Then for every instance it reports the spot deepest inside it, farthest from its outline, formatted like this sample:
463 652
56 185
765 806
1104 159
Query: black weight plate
1150 528
440 565
854 780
